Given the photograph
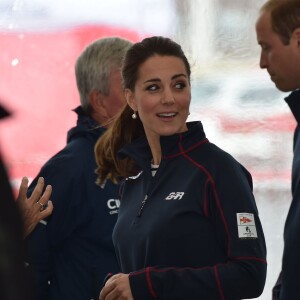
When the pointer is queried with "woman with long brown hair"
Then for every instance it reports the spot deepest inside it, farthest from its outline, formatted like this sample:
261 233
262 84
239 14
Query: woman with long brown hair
188 226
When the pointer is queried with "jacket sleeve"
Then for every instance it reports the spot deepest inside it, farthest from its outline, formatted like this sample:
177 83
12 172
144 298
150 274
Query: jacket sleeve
276 288
231 207
50 233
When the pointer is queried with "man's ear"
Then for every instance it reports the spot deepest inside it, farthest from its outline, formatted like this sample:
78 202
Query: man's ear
97 103
296 37
129 96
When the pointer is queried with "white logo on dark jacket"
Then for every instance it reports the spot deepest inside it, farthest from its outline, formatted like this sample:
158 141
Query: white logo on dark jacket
175 196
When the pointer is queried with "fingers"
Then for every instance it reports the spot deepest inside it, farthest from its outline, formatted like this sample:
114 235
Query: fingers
23 189
47 211
35 208
46 195
114 277
46 206
37 202
37 192
116 287
108 288
105 291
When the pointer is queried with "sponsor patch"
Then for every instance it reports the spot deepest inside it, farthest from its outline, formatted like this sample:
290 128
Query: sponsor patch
246 226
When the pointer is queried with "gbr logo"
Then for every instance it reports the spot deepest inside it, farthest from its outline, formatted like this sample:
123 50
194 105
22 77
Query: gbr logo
175 196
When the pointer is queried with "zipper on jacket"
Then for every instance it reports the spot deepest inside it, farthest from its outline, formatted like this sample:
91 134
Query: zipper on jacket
151 182
142 207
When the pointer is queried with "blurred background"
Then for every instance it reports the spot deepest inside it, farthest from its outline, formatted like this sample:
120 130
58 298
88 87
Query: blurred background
240 108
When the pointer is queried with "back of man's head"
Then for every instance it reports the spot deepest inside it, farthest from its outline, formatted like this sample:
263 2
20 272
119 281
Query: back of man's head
95 64
285 17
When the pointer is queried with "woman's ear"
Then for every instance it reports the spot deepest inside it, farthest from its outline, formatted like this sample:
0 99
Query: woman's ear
129 96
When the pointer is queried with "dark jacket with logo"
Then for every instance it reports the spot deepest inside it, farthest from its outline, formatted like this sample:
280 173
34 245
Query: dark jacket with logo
287 287
73 249
192 231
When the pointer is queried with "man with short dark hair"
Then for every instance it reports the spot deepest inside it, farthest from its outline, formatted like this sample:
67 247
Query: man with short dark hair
278 34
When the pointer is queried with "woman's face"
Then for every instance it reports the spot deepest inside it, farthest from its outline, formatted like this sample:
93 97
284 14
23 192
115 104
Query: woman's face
162 96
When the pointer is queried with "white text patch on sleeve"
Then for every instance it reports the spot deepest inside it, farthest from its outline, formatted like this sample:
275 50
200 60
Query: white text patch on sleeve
246 226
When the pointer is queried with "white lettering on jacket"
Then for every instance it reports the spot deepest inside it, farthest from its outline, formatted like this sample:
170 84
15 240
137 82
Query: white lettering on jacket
175 196
113 205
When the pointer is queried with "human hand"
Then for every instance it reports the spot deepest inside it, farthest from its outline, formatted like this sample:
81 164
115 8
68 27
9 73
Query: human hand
35 208
117 287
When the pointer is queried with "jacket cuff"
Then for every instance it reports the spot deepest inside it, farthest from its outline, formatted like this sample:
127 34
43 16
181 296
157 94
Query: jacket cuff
141 285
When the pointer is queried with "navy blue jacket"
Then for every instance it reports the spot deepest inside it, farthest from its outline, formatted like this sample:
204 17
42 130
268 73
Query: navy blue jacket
287 286
192 231
73 249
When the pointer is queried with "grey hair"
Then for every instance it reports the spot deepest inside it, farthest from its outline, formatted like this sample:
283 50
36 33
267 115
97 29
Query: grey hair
95 64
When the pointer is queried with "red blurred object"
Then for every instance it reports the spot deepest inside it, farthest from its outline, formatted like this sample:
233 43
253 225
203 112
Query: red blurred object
285 122
38 86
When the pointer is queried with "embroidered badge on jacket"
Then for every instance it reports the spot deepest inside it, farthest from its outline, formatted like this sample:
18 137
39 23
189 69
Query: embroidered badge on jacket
246 226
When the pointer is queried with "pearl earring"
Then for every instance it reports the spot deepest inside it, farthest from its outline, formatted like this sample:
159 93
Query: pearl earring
134 116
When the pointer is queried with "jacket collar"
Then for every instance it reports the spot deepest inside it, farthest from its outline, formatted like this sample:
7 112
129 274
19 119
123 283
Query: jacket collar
171 146
293 101
85 126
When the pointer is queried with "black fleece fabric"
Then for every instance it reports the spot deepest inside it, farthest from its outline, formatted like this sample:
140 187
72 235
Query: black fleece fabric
287 286
192 231
71 252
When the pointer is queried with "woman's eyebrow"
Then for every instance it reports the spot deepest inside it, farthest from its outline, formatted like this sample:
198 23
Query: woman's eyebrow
173 77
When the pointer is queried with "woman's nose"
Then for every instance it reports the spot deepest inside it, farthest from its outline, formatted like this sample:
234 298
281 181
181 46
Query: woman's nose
167 97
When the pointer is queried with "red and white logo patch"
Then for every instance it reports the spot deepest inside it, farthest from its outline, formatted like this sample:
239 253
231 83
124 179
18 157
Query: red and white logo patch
244 220
246 226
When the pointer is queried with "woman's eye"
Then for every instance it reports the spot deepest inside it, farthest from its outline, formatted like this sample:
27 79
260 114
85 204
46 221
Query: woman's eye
264 47
152 87
180 85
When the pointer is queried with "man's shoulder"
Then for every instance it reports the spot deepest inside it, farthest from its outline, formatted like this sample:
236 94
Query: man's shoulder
71 156
75 159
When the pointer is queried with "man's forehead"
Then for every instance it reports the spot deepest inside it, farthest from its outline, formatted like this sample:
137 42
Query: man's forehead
264 19
263 25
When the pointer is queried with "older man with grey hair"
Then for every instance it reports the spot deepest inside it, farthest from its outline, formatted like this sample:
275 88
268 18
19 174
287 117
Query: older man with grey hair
71 251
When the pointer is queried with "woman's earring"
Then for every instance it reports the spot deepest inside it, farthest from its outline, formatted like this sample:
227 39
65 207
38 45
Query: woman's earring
134 116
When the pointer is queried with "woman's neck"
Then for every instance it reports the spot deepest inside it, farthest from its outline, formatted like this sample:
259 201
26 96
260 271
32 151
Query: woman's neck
155 150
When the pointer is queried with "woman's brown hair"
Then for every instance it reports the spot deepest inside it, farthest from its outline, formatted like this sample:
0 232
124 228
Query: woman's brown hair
125 129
